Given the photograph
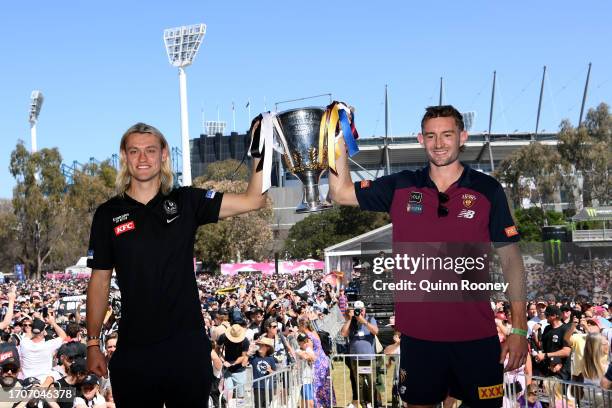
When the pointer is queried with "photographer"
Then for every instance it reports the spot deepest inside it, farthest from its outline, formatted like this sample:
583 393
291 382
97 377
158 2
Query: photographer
361 332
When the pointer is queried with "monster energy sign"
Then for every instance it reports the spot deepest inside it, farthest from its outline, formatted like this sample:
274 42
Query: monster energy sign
555 254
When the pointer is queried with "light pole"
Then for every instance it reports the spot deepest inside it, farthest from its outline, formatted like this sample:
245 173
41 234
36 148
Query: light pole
182 44
35 105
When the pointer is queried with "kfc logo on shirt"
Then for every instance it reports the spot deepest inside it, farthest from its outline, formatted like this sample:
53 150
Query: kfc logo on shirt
128 226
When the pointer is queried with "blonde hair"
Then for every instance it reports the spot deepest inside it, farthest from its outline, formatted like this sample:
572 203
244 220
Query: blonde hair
594 355
122 183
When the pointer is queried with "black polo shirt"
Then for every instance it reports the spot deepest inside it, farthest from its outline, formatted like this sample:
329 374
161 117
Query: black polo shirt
477 212
150 246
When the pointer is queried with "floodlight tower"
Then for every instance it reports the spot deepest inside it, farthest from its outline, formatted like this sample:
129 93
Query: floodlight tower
35 105
182 44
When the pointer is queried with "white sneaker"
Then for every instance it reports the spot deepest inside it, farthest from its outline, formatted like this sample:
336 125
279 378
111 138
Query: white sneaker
368 405
350 405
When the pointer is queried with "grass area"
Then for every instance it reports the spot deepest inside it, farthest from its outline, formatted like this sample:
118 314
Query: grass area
342 383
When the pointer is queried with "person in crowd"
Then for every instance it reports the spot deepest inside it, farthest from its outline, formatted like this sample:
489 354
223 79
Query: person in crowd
361 330
263 364
90 393
307 358
554 344
37 353
76 373
595 359
9 368
283 352
529 399
235 346
217 362
342 301
324 396
221 324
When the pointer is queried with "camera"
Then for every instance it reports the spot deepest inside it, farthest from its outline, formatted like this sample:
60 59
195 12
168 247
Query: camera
357 312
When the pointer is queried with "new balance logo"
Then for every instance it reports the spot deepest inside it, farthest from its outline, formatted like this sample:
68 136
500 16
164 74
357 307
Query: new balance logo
469 214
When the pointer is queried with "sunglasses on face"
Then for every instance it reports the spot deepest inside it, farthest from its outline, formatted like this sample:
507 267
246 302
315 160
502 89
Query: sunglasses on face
26 325
442 199
10 369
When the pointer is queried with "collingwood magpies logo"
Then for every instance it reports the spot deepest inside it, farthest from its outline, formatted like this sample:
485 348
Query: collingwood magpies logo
170 207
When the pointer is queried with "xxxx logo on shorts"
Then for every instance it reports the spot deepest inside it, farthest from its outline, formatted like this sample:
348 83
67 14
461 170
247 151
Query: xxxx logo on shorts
494 391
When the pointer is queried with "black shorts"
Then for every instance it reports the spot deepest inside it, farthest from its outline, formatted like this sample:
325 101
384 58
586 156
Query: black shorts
466 370
176 372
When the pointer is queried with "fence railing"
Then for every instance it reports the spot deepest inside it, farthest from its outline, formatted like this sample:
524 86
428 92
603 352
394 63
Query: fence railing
375 384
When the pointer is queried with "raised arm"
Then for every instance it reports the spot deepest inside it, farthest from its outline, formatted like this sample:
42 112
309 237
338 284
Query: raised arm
341 189
252 199
97 302
9 311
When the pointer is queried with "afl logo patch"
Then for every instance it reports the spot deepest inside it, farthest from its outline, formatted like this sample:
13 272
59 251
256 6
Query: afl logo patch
416 197
468 200
170 207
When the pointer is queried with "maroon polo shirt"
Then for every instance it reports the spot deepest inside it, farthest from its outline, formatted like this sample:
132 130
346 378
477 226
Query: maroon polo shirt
477 212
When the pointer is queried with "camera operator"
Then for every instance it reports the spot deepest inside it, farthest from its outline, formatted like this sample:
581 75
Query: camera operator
361 331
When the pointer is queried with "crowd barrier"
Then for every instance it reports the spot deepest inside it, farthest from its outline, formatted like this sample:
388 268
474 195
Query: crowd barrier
376 385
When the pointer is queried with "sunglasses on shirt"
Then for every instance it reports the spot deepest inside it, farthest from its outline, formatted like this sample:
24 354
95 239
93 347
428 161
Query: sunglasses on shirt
442 199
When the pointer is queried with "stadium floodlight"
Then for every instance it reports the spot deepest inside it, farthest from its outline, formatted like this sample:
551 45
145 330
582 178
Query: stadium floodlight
182 44
36 103
468 120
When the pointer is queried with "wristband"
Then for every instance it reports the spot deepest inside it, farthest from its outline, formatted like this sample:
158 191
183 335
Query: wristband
93 342
518 331
93 338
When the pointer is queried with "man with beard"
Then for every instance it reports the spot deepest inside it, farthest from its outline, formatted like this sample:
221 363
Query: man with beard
447 202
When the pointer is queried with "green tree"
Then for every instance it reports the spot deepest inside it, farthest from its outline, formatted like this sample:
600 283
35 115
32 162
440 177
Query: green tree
316 232
92 185
229 169
531 220
535 165
246 236
587 151
39 205
8 236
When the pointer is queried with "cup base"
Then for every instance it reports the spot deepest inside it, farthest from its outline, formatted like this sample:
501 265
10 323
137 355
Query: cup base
305 208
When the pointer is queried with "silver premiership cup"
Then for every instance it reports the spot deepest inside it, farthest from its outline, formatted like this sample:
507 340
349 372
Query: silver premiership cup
301 130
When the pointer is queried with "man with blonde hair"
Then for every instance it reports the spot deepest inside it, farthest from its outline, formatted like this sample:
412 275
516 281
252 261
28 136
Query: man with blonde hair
146 234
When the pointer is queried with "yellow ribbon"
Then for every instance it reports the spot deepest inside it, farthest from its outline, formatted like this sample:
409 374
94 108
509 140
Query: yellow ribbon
320 152
332 123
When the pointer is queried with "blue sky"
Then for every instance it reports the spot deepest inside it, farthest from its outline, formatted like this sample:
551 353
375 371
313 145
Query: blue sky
102 65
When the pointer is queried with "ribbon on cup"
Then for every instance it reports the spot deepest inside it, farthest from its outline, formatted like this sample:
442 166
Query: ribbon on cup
263 143
338 121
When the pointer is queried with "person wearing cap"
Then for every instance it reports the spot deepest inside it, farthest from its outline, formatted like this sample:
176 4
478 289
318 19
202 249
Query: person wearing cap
235 348
361 330
37 353
146 233
555 344
447 201
9 368
263 364
90 393
76 373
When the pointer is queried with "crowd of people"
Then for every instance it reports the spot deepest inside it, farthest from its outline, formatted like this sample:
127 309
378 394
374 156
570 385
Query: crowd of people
590 280
259 327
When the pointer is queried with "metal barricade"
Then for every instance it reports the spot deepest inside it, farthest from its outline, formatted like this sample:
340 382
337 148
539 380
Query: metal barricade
571 394
366 380
280 389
